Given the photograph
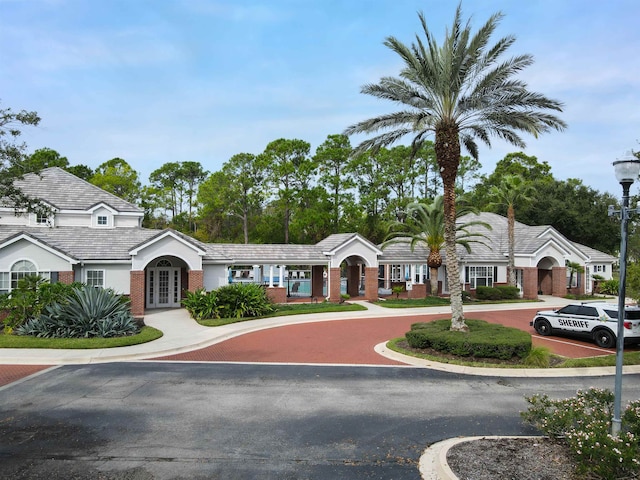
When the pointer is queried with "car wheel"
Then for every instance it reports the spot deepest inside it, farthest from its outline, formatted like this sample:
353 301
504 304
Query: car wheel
604 338
542 327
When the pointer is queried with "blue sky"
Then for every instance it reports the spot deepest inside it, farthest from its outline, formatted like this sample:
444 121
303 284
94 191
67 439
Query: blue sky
154 81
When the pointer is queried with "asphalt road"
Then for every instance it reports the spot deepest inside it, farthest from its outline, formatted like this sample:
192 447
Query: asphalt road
151 420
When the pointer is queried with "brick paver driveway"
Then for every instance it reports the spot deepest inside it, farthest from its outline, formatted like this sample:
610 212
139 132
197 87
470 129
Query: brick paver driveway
352 341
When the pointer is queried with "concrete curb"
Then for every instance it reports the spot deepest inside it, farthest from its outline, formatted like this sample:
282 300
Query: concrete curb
433 462
382 349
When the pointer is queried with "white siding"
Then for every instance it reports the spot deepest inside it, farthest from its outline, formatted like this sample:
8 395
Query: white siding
8 217
167 246
126 221
215 276
73 219
44 260
117 276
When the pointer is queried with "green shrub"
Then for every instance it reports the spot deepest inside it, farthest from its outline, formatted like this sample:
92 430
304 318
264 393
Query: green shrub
483 340
508 292
202 305
28 300
609 287
238 300
500 292
88 312
488 293
585 422
539 357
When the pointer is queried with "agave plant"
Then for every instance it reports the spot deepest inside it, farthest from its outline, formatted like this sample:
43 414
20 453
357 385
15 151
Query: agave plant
89 312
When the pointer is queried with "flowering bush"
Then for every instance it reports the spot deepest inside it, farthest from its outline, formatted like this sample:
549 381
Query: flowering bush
585 423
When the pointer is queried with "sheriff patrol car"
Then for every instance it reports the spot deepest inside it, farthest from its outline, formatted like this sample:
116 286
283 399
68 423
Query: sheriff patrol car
597 320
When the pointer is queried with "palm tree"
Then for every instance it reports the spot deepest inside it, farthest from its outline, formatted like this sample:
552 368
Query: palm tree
513 190
425 226
574 269
461 92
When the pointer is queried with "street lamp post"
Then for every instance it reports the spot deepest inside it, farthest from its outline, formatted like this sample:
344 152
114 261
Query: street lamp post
627 170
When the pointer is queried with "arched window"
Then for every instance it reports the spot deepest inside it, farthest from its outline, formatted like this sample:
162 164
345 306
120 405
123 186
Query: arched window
164 263
21 269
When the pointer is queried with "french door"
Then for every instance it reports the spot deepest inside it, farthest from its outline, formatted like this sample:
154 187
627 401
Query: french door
163 287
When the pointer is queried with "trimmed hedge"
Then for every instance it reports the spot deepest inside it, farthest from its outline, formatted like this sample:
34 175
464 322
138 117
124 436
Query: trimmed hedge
499 292
484 339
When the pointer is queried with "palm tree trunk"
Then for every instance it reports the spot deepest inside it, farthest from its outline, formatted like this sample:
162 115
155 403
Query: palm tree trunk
447 147
511 222
433 281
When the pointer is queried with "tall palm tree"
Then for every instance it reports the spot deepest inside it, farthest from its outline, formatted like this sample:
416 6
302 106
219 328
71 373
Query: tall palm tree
512 191
461 92
425 226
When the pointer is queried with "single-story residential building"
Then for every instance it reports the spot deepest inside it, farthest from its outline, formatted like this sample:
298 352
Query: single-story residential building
94 237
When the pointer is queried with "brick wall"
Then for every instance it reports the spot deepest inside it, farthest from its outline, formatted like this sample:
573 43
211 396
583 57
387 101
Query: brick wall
277 294
66 277
196 280
371 283
317 281
137 292
530 283
418 290
559 288
334 284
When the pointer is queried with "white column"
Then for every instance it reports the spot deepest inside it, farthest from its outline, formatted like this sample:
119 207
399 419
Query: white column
257 277
270 276
281 279
421 273
413 273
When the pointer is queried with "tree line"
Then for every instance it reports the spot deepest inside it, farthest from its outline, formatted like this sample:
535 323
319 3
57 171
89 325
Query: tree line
287 195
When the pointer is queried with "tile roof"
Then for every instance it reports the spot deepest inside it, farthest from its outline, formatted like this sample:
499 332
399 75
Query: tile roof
92 244
82 243
65 191
268 253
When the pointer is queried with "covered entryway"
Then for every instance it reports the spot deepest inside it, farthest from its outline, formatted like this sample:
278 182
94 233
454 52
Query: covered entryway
360 259
161 268
164 284
552 278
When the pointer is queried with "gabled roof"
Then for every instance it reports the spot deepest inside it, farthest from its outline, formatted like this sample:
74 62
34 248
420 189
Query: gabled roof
338 240
250 254
199 247
529 240
82 243
22 235
65 191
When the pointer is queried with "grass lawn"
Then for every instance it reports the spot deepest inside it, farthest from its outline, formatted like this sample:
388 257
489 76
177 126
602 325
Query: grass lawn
147 334
290 309
413 302
438 301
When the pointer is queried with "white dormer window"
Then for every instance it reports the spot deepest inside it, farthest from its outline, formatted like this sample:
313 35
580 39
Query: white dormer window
102 219
43 220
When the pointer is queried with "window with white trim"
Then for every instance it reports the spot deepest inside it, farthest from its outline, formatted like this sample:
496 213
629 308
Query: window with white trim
396 273
480 276
20 270
5 282
95 278
572 279
102 221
